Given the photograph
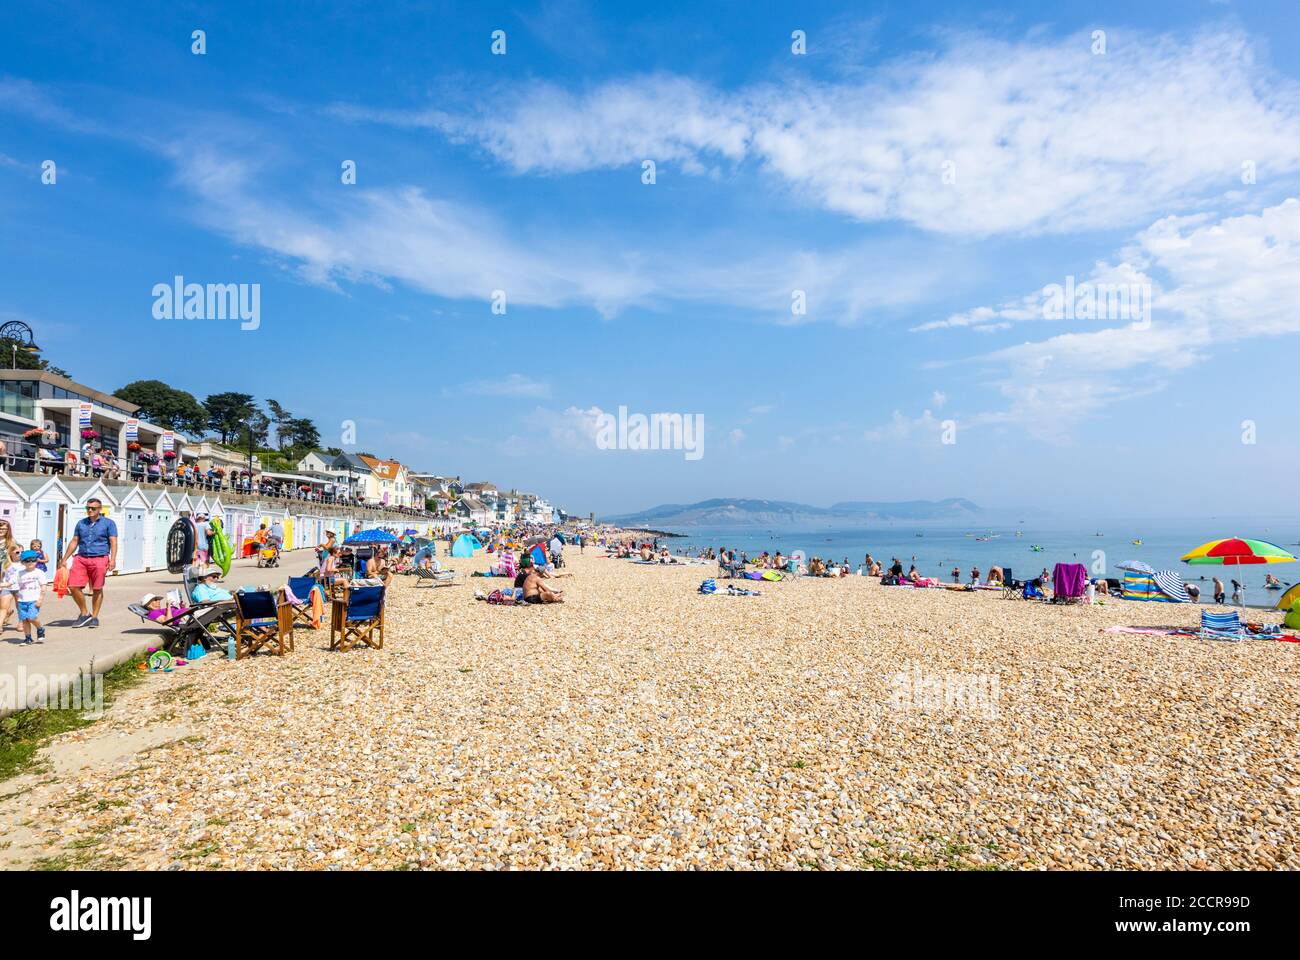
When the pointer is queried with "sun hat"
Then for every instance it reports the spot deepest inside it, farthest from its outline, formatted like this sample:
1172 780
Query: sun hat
149 598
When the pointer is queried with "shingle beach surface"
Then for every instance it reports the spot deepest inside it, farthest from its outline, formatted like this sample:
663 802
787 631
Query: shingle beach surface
826 723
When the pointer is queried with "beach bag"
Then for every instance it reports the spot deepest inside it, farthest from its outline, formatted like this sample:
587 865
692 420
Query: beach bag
709 586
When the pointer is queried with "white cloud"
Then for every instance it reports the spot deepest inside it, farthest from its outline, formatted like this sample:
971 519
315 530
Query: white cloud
938 399
901 427
511 385
1045 137
1221 281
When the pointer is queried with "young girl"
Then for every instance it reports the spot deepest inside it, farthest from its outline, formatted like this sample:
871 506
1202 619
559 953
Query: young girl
9 586
42 561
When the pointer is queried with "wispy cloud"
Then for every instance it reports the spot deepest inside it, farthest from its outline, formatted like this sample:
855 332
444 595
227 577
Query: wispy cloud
511 385
1035 136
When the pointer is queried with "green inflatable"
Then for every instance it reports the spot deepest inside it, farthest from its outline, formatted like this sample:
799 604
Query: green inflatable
219 546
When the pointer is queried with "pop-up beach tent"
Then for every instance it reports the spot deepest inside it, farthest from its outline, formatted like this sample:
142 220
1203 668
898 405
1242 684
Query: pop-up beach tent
465 546
538 552
1163 586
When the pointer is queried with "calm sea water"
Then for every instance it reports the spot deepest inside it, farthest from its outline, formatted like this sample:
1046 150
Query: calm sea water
935 550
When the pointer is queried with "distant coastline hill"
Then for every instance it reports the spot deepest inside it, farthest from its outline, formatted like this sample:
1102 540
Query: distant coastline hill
772 513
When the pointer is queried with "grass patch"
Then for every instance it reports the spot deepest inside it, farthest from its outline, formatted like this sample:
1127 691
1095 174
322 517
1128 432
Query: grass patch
23 733
949 855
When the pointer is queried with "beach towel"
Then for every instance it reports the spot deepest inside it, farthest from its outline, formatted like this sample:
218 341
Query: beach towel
61 582
1069 580
709 586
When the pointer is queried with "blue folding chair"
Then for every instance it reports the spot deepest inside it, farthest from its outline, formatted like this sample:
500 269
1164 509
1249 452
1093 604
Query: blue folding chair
261 622
1221 626
301 587
359 619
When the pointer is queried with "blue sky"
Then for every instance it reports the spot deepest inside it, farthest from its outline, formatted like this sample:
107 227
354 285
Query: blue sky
922 173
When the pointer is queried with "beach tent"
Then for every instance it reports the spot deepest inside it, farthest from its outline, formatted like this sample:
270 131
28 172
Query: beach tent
1163 586
1287 600
538 553
465 546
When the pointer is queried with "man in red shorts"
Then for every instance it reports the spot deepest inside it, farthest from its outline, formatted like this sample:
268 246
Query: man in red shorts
93 549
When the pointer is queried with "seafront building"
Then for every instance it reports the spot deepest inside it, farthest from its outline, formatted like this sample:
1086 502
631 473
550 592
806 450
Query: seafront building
65 443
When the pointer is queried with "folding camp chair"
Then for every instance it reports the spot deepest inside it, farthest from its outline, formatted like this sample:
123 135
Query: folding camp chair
207 623
301 587
261 622
1012 589
358 619
1221 626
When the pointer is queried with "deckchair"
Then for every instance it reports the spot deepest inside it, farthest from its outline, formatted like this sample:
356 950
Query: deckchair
190 626
359 619
1221 626
261 622
301 587
444 578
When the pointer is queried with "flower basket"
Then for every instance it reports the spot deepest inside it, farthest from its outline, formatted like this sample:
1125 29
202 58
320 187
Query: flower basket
169 455
133 446
33 433
89 434
219 472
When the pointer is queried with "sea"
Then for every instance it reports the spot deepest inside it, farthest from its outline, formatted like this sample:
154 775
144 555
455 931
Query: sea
1025 548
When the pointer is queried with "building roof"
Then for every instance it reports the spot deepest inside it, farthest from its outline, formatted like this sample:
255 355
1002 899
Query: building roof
472 503
383 469
66 384
351 460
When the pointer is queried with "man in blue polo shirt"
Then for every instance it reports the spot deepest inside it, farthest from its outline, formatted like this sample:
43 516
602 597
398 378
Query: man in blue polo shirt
93 549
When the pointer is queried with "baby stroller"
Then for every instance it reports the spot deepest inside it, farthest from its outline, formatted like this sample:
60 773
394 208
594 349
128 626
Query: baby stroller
269 555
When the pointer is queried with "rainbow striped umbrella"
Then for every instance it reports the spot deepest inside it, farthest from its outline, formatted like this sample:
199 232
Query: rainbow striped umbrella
1237 550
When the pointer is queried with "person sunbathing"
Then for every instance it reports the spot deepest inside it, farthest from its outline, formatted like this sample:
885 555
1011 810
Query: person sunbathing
534 590
913 575
159 608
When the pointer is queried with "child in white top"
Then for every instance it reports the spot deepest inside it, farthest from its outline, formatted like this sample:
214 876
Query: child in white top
29 583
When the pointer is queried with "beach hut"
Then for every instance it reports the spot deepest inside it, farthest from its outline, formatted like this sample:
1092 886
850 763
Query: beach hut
158 521
13 500
46 512
132 507
240 520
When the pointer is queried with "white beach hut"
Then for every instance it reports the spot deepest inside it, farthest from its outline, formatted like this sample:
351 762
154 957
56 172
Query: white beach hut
48 514
162 513
134 549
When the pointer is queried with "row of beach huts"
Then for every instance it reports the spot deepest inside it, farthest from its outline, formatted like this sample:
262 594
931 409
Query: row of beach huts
47 509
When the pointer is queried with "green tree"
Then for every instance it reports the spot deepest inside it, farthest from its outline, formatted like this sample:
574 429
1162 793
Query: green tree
283 418
165 406
25 358
302 433
228 412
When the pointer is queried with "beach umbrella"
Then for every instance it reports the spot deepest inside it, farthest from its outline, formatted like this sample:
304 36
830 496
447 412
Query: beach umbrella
1237 551
1137 566
369 536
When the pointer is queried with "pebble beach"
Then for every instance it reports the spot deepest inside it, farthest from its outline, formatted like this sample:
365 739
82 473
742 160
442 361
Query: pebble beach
825 724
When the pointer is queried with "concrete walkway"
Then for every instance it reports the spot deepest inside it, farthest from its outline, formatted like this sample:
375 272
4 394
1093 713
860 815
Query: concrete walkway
121 635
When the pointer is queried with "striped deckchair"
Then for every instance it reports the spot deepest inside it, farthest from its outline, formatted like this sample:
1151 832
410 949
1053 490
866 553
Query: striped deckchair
1221 626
